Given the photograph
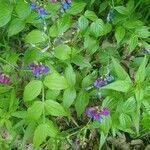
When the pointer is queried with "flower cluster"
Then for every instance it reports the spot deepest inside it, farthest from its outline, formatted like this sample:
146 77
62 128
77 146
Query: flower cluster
41 10
38 69
65 4
96 113
98 83
4 79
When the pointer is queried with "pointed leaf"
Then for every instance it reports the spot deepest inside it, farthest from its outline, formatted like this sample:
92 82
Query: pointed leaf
35 111
55 82
140 75
81 102
40 135
122 86
121 73
32 90
69 97
119 34
54 108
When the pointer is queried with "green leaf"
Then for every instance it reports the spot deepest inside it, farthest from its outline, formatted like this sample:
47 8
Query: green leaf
35 36
69 96
132 23
146 45
15 27
103 6
54 108
40 135
125 120
146 121
22 9
102 139
83 24
60 26
133 41
32 90
90 15
97 28
122 10
5 12
143 32
52 94
81 61
140 74
70 75
52 131
119 34
106 54
91 44
35 111
53 31
19 114
81 102
107 28
62 52
122 86
121 73
55 82
129 105
76 7
105 126
130 5
87 81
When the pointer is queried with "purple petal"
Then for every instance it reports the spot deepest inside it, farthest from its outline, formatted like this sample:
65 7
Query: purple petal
105 111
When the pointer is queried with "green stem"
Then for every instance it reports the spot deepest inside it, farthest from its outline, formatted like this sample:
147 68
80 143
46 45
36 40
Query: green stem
113 4
43 104
137 4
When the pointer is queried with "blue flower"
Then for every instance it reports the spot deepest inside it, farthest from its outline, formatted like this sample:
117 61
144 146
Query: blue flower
97 114
33 6
66 4
42 11
38 69
109 78
99 83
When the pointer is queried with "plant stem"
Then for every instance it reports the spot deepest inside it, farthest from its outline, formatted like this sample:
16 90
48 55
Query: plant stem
43 104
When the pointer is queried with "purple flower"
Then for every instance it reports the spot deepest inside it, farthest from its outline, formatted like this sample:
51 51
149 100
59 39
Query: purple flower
105 111
90 112
99 83
4 79
33 6
96 113
97 116
42 11
38 69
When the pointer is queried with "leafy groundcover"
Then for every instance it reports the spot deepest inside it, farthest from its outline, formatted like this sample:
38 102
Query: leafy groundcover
74 74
